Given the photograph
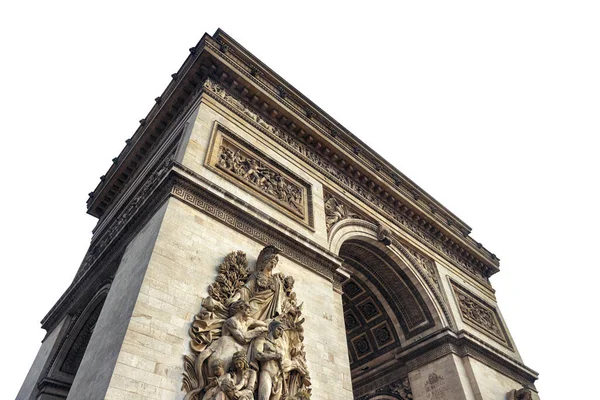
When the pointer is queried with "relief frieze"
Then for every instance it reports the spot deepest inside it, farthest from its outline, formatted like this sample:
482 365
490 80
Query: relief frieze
340 176
132 207
479 314
242 164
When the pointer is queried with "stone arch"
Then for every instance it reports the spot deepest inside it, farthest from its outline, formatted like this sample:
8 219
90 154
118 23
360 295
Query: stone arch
356 229
69 353
399 294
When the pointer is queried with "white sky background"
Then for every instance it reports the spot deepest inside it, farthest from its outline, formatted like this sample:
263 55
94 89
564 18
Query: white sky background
493 109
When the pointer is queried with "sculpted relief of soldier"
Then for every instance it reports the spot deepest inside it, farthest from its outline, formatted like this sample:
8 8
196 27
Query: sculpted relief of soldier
261 176
247 339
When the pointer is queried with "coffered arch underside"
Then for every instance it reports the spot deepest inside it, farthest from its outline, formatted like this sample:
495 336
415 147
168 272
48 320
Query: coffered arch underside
399 259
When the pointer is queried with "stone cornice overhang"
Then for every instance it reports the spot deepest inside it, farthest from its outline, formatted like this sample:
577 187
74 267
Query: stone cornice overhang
185 185
440 344
228 63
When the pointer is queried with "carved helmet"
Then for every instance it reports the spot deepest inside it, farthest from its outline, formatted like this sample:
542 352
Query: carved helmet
265 256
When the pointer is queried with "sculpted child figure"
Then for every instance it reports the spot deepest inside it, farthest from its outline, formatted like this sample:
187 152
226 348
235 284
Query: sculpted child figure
244 378
219 386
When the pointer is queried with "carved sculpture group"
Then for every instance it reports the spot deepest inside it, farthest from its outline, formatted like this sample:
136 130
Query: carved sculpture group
247 337
262 177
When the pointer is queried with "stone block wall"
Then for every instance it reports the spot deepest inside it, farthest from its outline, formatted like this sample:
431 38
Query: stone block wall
184 261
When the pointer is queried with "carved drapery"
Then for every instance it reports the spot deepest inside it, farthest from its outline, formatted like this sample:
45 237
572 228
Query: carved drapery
247 339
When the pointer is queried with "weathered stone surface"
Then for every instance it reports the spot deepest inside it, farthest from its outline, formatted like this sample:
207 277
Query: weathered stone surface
396 296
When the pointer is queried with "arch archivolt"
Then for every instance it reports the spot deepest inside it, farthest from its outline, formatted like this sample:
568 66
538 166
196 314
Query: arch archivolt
353 230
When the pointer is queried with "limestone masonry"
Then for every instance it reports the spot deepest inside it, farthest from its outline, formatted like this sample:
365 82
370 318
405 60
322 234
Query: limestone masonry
249 247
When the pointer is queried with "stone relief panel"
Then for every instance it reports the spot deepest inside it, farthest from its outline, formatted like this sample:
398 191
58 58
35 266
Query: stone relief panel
404 218
436 387
479 314
247 339
336 211
427 265
241 163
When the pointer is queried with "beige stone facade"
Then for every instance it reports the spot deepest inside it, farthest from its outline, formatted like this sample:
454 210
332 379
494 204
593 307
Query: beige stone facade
395 292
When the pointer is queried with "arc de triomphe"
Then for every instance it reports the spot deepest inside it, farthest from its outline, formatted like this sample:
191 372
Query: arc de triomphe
249 246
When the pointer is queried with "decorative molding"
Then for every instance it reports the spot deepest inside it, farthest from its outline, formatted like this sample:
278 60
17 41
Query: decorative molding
102 263
402 296
191 194
479 314
405 218
101 243
245 64
243 164
166 115
462 345
77 350
404 250
69 348
384 233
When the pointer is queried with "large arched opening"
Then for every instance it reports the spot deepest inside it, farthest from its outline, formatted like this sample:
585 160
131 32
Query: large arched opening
390 306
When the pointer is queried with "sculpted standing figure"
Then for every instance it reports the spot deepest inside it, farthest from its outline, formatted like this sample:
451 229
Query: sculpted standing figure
264 290
268 351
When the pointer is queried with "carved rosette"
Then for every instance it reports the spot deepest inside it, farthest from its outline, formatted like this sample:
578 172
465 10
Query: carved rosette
250 323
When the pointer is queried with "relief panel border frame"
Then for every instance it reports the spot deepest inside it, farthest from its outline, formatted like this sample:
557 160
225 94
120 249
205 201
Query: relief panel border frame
504 339
219 132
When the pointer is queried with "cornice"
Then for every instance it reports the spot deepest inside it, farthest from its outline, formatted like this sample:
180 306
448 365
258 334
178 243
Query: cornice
407 221
442 343
170 179
225 61
464 344
191 188
379 171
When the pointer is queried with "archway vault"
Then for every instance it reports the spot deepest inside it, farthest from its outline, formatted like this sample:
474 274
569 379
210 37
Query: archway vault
389 302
